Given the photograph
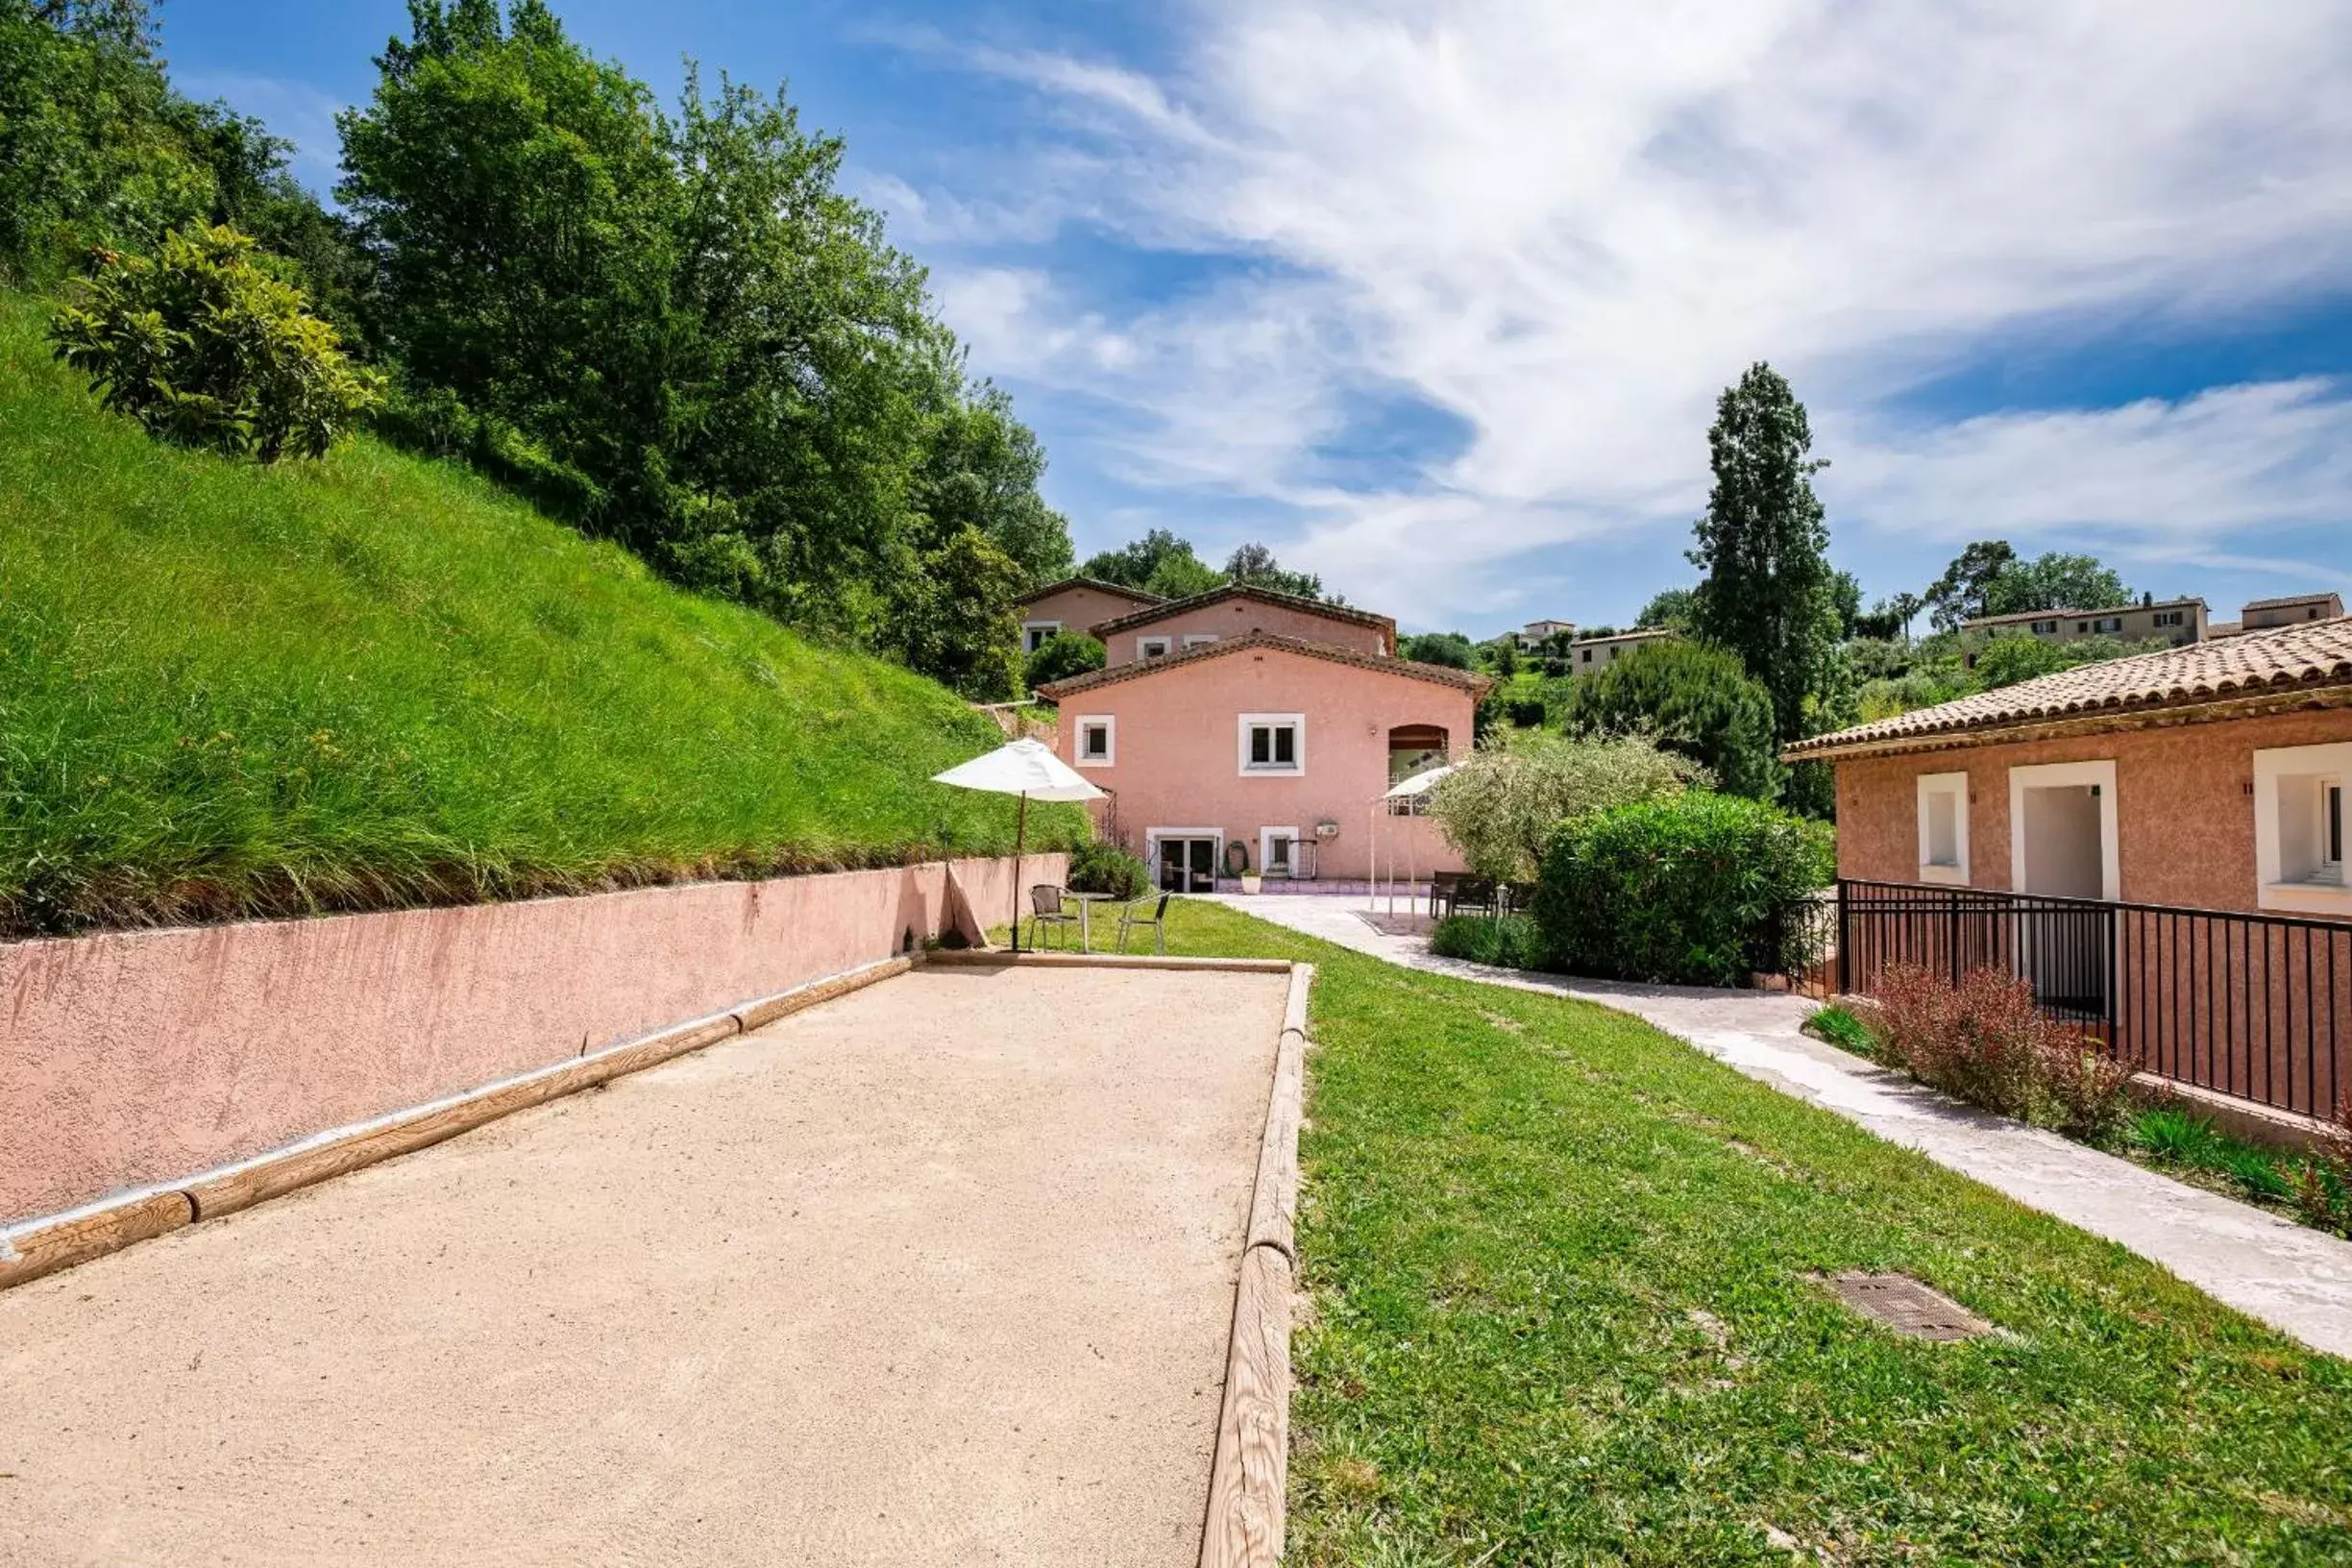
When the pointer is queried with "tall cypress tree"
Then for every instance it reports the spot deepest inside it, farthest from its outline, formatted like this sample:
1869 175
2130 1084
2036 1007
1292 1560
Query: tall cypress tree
1769 594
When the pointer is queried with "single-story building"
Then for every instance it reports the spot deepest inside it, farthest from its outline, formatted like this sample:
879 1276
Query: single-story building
1590 655
1075 604
1264 750
2156 842
2208 776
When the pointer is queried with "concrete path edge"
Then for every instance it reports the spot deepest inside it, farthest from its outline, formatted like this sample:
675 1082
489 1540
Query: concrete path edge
43 1245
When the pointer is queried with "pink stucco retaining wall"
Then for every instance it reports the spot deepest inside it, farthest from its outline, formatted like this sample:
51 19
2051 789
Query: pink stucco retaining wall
139 1056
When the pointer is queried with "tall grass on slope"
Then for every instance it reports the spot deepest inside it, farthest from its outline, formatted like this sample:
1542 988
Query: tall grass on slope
374 681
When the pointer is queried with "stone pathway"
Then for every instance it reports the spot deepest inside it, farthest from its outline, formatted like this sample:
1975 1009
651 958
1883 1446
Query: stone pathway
2294 1278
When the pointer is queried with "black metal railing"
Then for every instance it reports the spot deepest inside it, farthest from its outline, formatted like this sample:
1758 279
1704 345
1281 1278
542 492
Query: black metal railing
2257 1006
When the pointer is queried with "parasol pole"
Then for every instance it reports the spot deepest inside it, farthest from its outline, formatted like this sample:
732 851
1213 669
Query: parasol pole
1020 838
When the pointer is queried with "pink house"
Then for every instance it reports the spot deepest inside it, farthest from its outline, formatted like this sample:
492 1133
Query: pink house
1075 604
1246 728
1156 630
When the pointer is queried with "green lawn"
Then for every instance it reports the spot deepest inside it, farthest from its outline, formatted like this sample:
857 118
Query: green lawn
376 679
1564 1311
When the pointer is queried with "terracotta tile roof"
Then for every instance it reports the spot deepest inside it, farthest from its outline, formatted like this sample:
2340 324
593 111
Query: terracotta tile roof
1244 590
2291 599
2281 659
1436 674
1097 584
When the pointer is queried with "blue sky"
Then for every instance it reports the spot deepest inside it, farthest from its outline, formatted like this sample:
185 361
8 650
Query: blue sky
1435 299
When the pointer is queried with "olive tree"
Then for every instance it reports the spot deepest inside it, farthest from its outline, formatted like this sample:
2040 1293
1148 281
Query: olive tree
1501 807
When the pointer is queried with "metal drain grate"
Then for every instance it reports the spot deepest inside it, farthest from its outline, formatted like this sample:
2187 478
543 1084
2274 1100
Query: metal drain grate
1904 1303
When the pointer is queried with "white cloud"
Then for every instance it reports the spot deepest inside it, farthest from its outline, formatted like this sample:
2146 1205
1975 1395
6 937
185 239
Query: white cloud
1569 225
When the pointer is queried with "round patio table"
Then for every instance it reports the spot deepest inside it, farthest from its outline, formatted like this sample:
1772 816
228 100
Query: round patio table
1086 902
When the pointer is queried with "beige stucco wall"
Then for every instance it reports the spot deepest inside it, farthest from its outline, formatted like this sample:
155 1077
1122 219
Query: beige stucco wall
1079 609
2184 806
139 1056
1177 754
1238 616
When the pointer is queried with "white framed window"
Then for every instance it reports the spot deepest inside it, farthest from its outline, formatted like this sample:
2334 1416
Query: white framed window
2046 629
2169 618
1035 634
1273 745
1097 743
1151 648
1278 851
1195 639
1944 828
2299 828
2108 623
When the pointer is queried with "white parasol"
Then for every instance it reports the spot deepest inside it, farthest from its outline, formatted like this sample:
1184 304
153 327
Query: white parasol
1030 769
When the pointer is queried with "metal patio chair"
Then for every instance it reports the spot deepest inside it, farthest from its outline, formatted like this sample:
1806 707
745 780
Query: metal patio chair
1045 913
1129 918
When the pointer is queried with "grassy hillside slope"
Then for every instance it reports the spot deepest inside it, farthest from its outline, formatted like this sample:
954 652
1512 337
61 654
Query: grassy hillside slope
377 680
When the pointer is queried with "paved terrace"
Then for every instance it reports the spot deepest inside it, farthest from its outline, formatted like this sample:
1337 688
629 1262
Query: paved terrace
941 1272
2295 1279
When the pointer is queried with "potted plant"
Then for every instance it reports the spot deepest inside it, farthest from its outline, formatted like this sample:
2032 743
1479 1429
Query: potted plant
1238 863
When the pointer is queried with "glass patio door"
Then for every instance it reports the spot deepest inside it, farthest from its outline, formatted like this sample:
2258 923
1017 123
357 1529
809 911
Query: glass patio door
1187 866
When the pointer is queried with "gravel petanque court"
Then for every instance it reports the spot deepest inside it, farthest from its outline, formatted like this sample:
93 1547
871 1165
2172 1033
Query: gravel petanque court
938 1272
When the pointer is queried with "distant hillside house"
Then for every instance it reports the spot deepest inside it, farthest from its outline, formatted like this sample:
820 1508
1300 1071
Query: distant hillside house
1536 633
2177 620
1590 654
1245 728
1074 604
2262 613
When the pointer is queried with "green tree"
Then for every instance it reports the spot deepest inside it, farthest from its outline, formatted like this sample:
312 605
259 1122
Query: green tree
681 328
1450 649
1674 607
1846 593
981 468
1158 563
1256 565
1691 699
2055 581
1960 593
202 347
97 149
2007 660
1064 654
953 618
1769 594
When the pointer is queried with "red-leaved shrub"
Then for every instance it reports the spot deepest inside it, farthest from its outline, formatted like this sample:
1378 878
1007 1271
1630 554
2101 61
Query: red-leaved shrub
1984 1041
2323 1181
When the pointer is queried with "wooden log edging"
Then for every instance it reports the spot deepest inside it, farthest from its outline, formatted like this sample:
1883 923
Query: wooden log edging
1249 1469
47 1244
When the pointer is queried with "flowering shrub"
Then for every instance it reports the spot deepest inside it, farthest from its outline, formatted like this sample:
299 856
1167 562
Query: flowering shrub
1984 1041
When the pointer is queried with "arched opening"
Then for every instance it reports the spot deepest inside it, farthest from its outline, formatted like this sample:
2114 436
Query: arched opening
1413 748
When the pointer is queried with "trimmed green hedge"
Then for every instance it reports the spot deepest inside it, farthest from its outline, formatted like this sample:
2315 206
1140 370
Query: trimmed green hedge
1692 890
